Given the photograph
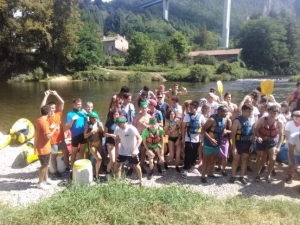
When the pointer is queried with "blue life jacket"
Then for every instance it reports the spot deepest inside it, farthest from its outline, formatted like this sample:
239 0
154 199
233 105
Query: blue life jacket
245 133
215 132
194 124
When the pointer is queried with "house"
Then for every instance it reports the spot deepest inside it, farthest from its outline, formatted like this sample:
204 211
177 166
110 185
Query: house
225 54
115 45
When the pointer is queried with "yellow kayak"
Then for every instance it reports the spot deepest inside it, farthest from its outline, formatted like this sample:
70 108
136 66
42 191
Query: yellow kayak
28 153
22 130
4 140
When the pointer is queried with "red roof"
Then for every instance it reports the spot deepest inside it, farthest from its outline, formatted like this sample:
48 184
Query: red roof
234 51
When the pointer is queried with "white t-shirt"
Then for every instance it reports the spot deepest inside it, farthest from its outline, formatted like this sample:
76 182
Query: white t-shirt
127 138
291 127
213 107
281 118
193 137
295 140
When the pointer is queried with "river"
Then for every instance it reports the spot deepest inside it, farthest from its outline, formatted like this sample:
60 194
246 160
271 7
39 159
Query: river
22 100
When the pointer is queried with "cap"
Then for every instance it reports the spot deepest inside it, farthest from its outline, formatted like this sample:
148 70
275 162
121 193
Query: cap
152 102
222 109
203 101
92 115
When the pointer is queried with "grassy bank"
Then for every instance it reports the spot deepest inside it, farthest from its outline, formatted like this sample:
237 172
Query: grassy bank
120 203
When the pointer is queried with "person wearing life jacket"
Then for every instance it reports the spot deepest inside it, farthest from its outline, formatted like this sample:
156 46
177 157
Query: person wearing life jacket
57 141
212 130
267 129
92 131
242 135
153 140
293 97
190 132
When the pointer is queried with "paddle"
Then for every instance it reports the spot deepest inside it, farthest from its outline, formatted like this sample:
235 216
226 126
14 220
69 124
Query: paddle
267 87
220 88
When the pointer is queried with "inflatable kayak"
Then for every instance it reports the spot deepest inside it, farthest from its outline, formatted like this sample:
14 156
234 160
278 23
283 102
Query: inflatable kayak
4 140
28 153
22 130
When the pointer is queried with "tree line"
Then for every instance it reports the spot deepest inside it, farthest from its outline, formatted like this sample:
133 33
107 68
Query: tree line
64 36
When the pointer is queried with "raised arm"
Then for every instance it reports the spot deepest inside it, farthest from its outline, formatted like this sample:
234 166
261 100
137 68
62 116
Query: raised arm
59 99
46 95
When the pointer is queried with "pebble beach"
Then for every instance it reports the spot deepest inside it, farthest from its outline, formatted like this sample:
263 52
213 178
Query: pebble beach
18 182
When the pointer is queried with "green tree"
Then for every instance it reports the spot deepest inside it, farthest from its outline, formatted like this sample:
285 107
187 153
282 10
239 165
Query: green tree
141 50
264 44
165 53
88 52
180 45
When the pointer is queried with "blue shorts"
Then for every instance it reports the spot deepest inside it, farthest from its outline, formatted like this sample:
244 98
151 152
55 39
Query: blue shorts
210 150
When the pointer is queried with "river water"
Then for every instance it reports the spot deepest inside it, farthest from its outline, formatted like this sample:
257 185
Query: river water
22 100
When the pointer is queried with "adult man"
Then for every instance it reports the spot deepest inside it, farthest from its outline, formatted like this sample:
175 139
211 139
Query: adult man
144 95
212 131
57 141
153 140
242 135
190 138
293 155
161 105
154 112
266 130
75 122
141 121
174 92
293 97
127 108
119 95
130 140
232 108
42 146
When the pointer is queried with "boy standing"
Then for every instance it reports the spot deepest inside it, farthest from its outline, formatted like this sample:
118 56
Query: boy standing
42 146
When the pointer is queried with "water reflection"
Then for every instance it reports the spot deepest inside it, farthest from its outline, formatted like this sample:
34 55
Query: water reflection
20 100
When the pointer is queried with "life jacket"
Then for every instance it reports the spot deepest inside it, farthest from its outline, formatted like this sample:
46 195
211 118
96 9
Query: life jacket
194 125
153 139
296 96
245 133
90 128
268 132
216 131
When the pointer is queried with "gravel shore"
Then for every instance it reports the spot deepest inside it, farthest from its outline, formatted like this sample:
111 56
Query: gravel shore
18 183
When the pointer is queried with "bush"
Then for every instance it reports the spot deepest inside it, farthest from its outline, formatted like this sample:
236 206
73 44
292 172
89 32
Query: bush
205 60
225 67
35 75
139 77
178 75
94 75
295 78
200 73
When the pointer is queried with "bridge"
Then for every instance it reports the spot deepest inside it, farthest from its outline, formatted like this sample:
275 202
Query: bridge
226 16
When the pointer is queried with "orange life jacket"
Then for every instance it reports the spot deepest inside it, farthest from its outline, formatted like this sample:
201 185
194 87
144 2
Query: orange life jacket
153 139
268 132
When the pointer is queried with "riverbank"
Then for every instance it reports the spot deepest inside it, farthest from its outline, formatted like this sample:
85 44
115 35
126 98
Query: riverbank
18 183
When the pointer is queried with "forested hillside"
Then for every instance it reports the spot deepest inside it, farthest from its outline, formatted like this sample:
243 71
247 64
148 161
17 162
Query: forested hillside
64 36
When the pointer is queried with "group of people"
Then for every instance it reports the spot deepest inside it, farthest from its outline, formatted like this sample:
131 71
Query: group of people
154 126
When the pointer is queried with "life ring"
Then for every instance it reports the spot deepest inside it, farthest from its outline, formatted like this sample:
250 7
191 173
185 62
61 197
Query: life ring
22 130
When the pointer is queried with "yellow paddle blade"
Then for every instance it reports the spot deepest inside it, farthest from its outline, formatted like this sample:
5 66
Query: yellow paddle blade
267 87
220 87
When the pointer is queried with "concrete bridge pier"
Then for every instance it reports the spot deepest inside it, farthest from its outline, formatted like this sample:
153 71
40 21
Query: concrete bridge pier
166 10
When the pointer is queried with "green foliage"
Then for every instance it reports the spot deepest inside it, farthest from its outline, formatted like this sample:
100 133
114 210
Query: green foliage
117 60
295 78
224 67
205 60
267 49
36 75
94 75
200 73
139 77
178 75
180 45
141 68
141 50
165 54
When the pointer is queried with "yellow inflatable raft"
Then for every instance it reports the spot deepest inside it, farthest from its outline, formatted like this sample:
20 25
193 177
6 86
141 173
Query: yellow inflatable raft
22 130
28 153
4 140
